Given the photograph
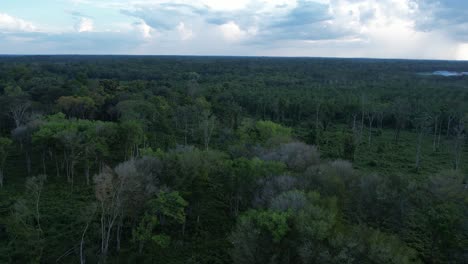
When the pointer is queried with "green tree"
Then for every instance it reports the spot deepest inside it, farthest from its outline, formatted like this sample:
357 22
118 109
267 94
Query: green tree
165 207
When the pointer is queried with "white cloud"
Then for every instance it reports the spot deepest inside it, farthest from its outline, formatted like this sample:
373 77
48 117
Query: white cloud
226 5
345 28
462 52
13 24
232 32
84 24
184 32
146 31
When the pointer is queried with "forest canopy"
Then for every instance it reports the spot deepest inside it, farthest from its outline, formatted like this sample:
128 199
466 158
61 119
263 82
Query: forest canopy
147 159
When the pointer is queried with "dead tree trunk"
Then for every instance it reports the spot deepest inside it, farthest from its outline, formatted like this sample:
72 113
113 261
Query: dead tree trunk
434 140
418 150
458 144
371 117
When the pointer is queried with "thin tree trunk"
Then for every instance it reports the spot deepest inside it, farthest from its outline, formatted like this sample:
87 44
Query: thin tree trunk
43 163
361 129
57 169
140 247
438 137
185 132
458 144
183 229
103 227
28 162
434 141
397 132
38 216
371 121
449 122
317 117
72 173
82 257
381 117
1 178
119 233
418 150
87 171
66 162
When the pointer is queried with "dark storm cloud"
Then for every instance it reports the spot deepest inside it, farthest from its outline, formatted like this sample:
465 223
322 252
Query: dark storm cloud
449 16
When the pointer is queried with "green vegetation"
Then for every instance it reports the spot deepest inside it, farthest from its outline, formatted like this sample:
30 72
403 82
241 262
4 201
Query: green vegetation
232 160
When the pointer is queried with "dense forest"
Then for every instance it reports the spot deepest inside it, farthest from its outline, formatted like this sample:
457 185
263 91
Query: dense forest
140 159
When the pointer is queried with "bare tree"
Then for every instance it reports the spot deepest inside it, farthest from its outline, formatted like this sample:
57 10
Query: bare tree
19 112
208 125
184 120
363 114
370 117
297 156
381 111
269 188
292 200
34 186
439 135
192 84
401 111
449 123
422 125
26 216
91 211
108 190
436 126
121 191
72 151
23 135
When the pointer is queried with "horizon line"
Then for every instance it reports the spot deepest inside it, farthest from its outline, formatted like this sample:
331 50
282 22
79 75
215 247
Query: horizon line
228 56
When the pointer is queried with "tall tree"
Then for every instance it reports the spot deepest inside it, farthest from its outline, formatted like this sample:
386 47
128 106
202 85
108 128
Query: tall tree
4 148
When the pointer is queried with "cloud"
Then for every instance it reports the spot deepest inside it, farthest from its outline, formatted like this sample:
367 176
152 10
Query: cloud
13 24
232 32
163 16
347 28
462 52
84 24
184 32
69 42
448 16
254 21
304 14
146 31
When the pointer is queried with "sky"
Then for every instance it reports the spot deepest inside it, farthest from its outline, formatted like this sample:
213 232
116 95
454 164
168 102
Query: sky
410 29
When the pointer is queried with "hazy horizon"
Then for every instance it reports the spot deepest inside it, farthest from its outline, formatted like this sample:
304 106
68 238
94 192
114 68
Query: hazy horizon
221 56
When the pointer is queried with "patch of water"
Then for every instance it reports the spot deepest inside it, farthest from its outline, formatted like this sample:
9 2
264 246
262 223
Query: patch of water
449 73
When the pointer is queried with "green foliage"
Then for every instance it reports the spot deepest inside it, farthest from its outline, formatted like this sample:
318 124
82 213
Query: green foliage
76 106
274 223
166 204
169 204
13 91
210 167
263 131
267 130
388 249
